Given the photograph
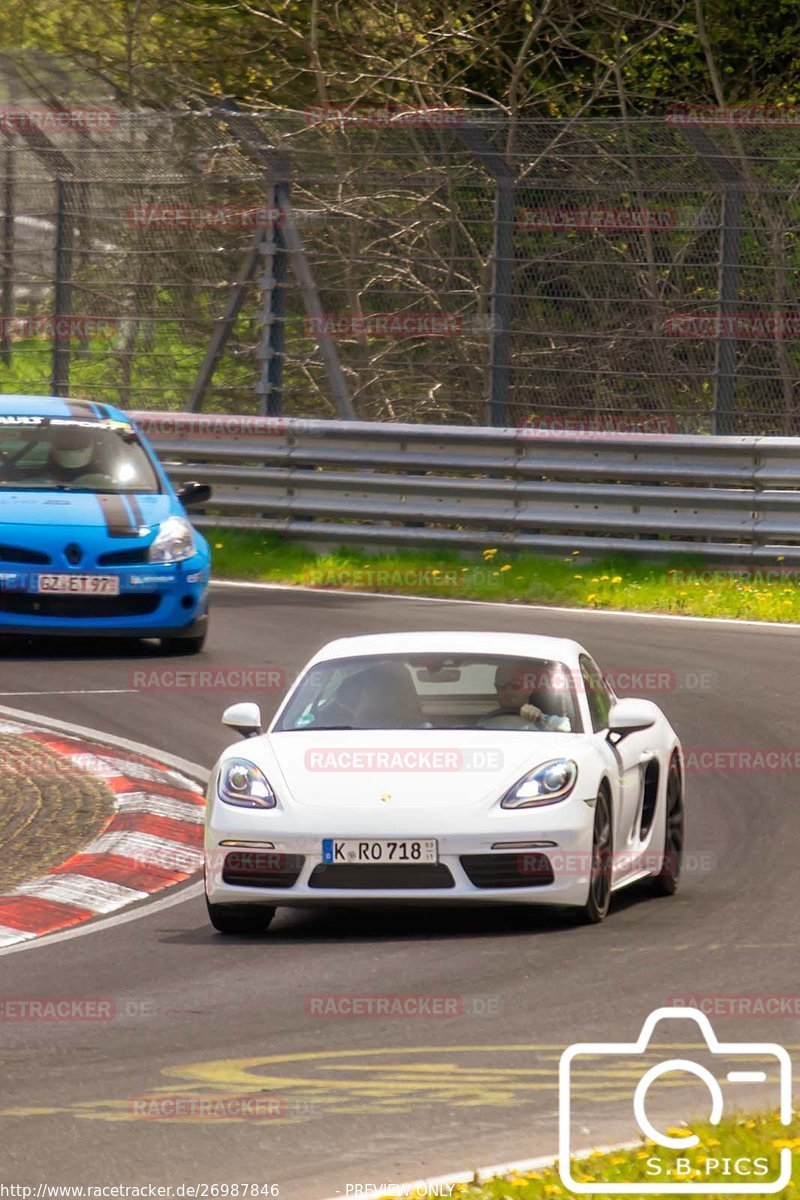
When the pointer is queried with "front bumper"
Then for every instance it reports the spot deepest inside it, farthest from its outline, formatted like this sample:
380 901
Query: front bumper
154 600
568 851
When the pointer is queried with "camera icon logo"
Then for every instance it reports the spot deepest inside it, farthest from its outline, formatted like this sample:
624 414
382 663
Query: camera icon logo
742 1176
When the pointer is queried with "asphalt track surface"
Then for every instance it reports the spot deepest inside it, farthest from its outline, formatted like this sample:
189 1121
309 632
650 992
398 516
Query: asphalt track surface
380 1099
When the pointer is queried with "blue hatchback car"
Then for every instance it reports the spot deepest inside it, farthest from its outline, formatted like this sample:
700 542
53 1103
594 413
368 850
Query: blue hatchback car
94 540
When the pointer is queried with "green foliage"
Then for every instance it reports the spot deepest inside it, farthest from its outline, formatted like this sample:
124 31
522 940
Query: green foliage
682 586
559 57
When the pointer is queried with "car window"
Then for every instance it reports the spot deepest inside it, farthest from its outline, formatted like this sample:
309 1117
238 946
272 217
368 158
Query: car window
55 454
598 695
441 691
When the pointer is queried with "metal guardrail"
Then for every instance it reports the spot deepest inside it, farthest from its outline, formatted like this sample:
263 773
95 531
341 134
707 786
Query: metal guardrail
356 482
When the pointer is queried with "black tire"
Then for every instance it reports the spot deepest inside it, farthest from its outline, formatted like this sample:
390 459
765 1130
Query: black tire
242 920
185 645
598 901
667 882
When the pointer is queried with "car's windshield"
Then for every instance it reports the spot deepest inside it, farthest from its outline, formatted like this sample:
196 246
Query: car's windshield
434 691
61 454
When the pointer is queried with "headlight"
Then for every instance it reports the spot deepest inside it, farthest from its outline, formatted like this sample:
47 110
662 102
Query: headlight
243 784
544 785
174 542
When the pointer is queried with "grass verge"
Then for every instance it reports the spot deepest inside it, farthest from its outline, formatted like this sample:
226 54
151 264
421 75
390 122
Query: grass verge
750 1143
684 585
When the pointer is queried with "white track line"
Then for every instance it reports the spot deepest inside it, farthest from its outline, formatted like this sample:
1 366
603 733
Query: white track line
77 692
509 604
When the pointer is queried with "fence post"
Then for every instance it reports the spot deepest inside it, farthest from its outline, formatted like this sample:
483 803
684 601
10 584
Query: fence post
273 285
7 287
315 321
730 242
502 268
62 293
223 325
476 141
725 348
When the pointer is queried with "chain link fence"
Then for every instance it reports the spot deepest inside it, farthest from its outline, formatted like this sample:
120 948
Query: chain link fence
441 266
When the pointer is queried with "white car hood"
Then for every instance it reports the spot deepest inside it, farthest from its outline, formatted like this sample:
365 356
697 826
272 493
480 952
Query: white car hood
454 768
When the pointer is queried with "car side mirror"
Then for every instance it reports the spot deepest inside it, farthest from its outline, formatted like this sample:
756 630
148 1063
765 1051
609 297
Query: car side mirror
631 715
245 718
194 493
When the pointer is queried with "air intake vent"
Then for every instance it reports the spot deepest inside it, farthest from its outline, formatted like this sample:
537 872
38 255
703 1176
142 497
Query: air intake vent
525 869
19 554
375 876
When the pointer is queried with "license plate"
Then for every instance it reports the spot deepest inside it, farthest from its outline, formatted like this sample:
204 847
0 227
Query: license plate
352 850
82 585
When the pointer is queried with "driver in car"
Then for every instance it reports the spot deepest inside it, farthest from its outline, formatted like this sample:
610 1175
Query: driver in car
519 707
71 453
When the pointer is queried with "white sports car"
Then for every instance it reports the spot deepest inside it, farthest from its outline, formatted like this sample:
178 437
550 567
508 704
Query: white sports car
443 767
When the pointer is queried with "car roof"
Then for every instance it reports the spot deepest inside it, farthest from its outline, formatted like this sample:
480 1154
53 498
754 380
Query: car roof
58 406
517 645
